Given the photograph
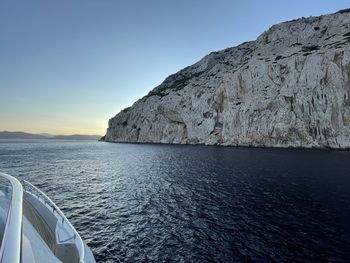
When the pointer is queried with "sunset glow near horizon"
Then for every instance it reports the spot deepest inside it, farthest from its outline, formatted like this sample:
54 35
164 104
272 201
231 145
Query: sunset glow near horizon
68 66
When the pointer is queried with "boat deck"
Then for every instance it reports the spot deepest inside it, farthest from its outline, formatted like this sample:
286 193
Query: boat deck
34 229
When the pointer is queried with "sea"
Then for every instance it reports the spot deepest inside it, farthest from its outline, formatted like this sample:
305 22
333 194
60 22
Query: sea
186 203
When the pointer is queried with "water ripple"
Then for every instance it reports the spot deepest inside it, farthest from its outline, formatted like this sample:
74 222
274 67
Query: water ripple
193 203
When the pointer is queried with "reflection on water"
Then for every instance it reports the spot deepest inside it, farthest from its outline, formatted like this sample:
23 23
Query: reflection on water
194 203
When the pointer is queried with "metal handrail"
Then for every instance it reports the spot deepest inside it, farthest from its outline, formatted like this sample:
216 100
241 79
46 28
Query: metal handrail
55 208
11 243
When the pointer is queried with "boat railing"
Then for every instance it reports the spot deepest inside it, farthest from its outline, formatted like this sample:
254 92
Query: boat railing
31 189
10 250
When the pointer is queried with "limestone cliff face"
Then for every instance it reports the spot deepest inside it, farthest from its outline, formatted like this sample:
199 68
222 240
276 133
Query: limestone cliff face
289 88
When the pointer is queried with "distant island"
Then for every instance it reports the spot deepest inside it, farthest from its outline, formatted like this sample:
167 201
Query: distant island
26 135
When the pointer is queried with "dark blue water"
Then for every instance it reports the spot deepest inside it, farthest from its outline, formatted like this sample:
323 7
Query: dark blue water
165 203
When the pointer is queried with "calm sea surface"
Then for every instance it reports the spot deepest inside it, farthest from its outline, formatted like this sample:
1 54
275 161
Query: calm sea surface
166 203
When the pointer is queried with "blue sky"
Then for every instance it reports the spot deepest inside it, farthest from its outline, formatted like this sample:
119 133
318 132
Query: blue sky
68 66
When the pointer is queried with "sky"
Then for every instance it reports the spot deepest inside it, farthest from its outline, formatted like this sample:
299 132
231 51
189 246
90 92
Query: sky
67 66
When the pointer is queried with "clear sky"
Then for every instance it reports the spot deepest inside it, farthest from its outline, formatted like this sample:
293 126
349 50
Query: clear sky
67 66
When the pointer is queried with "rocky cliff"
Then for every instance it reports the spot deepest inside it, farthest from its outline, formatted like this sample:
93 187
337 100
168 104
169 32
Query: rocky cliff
288 88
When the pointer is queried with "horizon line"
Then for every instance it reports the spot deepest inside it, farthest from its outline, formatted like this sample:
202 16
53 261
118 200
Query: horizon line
51 134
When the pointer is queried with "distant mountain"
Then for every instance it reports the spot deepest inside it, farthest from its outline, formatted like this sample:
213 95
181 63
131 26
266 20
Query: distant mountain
26 135
20 135
46 134
77 137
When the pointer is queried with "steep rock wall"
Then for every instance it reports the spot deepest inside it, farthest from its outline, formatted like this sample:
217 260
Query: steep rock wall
289 88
